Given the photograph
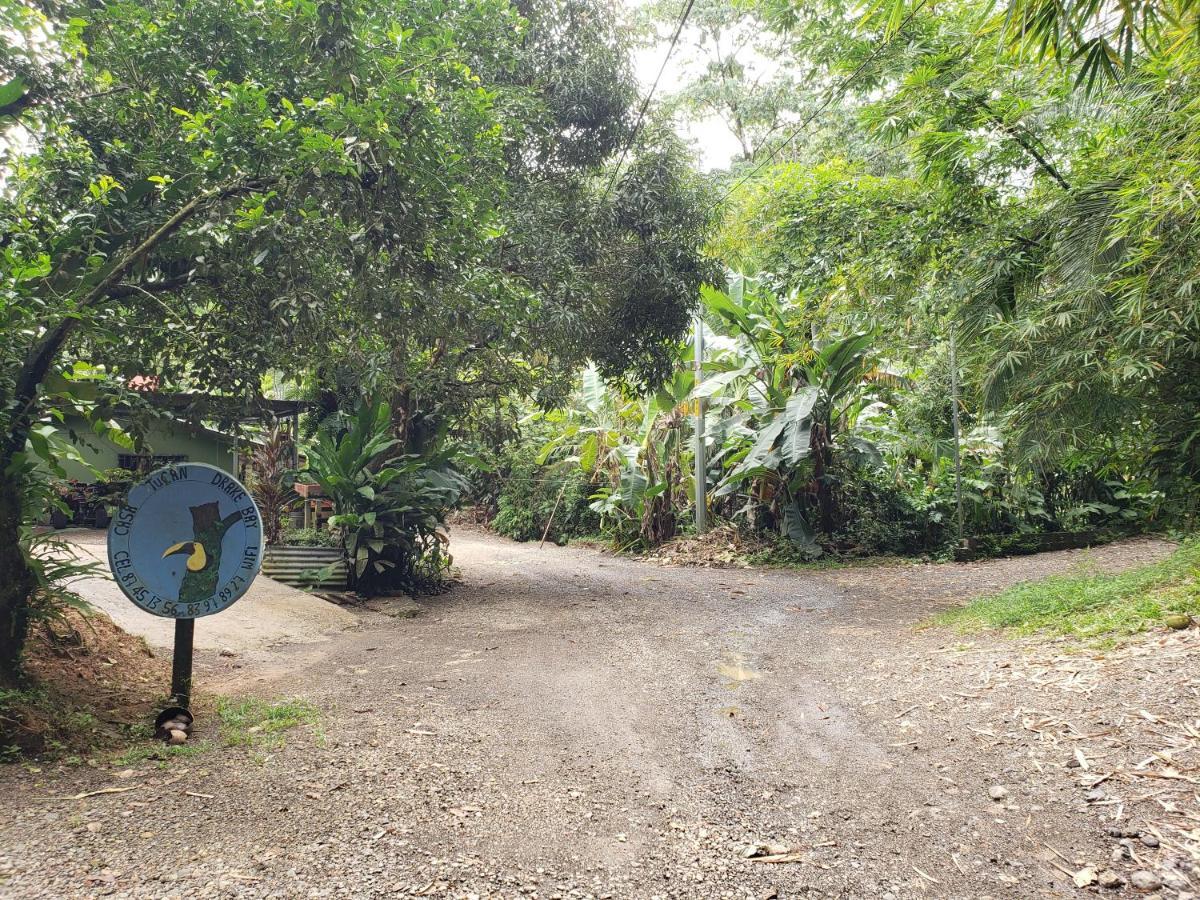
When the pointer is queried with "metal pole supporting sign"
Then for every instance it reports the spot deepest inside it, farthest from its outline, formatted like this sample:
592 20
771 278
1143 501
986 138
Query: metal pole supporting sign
181 662
187 542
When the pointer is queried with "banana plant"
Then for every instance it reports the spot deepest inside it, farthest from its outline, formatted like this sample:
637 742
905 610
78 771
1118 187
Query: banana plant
635 449
592 427
781 401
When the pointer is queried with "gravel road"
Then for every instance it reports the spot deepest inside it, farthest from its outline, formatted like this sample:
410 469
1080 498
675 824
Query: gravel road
569 724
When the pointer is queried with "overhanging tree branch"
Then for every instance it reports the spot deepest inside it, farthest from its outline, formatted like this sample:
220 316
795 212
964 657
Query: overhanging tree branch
37 363
1026 142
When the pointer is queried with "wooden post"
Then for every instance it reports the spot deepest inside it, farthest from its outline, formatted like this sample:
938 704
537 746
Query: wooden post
701 476
550 520
956 425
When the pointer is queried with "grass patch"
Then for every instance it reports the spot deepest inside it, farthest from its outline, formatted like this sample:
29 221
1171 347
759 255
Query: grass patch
250 722
1091 606
161 752
247 722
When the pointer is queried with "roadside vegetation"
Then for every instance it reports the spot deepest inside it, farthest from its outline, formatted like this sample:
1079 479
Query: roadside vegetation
938 332
1165 593
90 688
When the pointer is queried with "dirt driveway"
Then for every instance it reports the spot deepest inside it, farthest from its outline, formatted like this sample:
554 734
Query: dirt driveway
569 724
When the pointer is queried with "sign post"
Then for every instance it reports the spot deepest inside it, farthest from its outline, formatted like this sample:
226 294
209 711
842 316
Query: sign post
186 543
181 663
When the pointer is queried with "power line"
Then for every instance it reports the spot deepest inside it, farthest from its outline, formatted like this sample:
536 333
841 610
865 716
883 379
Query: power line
835 92
687 11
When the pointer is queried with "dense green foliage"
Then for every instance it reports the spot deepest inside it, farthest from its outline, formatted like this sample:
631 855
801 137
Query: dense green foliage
995 201
389 509
1050 228
984 215
632 450
536 500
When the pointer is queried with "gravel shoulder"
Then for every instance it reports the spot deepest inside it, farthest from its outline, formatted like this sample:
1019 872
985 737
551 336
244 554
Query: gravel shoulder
567 723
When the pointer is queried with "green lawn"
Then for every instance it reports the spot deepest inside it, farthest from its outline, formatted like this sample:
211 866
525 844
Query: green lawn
1091 606
249 721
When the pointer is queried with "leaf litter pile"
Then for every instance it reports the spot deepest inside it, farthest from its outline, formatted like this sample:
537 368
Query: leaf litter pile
1140 769
722 547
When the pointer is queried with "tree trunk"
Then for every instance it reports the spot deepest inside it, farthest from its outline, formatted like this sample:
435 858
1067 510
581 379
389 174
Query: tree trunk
17 582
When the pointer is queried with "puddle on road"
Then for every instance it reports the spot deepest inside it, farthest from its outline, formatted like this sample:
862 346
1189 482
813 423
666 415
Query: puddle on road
733 668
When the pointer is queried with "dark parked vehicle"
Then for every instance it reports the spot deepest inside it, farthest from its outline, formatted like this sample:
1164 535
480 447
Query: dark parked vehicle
88 505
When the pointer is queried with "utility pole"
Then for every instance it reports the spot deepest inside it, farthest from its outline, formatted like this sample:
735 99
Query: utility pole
955 422
701 449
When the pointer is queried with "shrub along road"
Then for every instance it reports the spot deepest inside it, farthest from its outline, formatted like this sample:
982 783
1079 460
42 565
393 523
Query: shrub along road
565 723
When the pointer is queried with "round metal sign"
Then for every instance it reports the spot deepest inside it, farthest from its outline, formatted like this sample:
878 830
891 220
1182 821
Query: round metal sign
187 541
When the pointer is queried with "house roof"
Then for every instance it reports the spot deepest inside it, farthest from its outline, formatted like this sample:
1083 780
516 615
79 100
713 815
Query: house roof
254 409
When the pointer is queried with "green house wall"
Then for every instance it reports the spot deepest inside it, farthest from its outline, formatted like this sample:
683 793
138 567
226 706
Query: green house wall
163 439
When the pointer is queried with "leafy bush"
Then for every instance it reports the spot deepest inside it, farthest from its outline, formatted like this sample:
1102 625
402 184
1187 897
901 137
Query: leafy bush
55 567
626 507
52 563
528 495
875 515
390 510
311 537
633 452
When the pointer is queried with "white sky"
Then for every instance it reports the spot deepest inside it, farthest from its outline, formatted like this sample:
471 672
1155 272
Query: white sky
713 142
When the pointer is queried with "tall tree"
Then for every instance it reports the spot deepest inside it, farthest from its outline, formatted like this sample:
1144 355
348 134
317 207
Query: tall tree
203 190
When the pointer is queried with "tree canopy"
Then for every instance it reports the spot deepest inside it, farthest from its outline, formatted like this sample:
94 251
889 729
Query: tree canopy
206 191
